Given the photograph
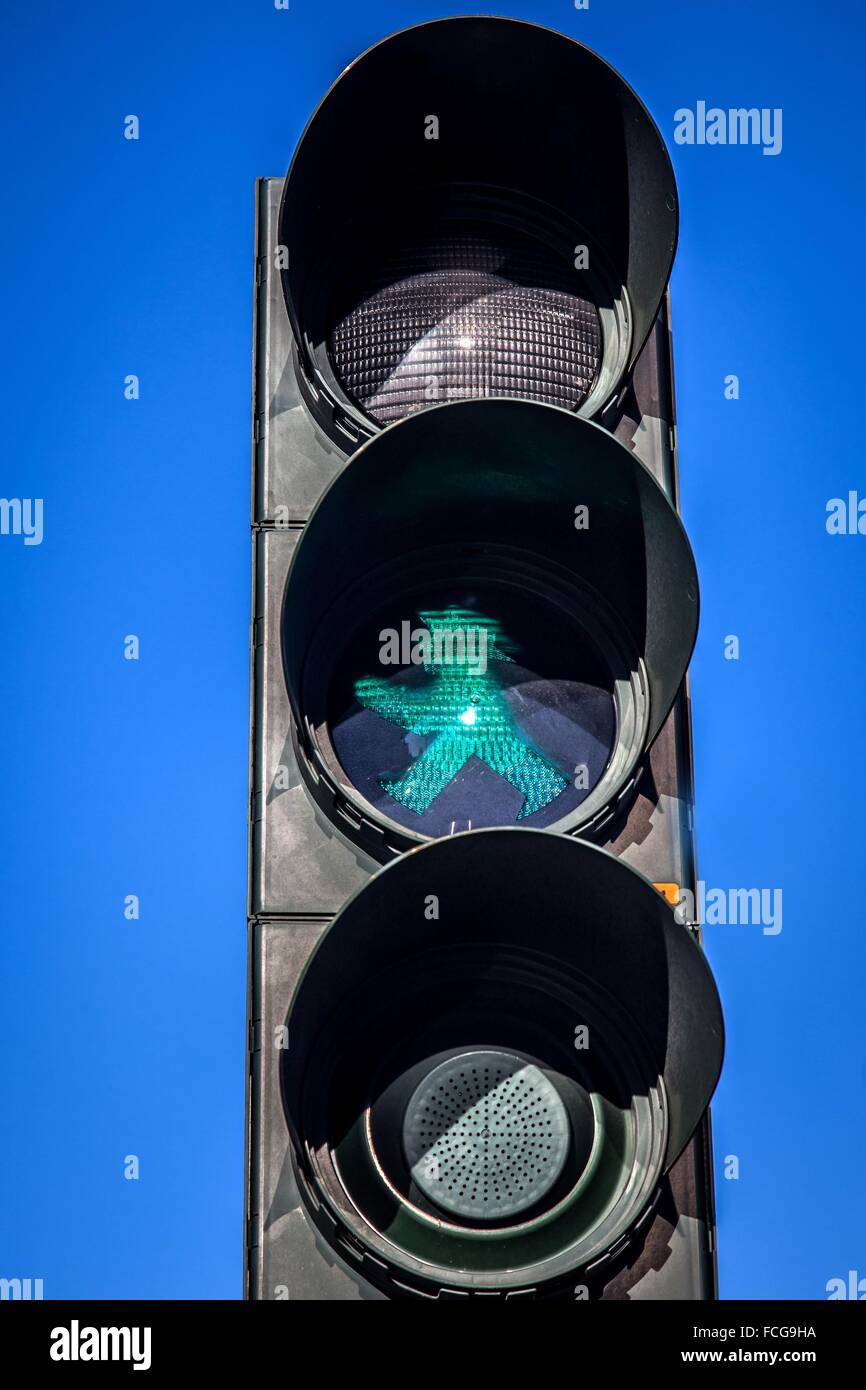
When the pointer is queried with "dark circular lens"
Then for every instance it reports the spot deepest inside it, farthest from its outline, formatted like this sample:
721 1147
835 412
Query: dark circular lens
504 520
479 208
467 315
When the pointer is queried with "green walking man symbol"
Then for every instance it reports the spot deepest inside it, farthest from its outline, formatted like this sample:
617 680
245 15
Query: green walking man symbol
464 710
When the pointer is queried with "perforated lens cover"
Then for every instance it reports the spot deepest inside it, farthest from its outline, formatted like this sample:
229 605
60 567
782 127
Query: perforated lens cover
464 316
486 1135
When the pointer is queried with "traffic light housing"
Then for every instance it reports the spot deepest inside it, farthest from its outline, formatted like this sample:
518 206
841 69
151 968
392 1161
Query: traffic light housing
544 538
496 1052
504 497
478 207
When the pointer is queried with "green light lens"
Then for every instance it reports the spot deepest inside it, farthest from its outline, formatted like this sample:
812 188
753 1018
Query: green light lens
463 709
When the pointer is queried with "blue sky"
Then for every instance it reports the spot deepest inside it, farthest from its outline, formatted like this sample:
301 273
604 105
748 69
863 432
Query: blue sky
130 777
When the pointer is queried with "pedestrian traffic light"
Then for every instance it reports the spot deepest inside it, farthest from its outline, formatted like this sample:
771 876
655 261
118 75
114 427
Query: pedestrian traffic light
562 573
495 1052
482 1044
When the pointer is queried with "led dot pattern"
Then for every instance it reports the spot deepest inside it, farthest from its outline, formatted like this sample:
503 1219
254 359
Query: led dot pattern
465 317
464 713
486 1135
